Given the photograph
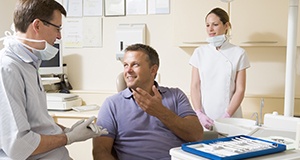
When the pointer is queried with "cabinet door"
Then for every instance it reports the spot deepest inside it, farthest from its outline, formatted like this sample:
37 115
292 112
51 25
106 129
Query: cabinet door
189 20
259 22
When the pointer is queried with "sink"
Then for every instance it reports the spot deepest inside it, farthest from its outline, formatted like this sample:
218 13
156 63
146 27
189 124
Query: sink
234 126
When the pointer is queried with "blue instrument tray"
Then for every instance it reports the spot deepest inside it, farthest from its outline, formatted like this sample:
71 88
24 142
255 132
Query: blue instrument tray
235 147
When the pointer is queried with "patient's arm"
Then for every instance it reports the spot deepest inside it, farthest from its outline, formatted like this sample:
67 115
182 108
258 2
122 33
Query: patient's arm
187 128
103 148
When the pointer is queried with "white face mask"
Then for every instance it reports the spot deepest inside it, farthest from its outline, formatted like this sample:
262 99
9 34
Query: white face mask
217 41
45 54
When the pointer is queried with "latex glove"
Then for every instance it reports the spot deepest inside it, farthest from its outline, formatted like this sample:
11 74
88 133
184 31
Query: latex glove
97 129
84 131
226 115
66 130
204 120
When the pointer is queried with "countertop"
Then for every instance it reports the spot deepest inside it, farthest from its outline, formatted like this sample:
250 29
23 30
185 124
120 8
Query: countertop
73 114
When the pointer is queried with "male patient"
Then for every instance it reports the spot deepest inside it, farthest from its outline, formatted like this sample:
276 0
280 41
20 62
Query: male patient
145 120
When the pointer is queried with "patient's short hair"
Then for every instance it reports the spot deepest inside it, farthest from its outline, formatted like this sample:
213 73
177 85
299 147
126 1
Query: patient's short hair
152 54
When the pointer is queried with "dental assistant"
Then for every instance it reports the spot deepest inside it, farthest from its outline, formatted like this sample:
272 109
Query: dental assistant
27 131
218 73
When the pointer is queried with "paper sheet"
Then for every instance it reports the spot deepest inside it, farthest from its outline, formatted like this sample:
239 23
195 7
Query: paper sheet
73 32
92 8
136 7
158 6
114 7
92 33
73 7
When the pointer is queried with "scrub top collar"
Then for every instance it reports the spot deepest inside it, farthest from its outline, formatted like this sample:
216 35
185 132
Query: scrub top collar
225 44
22 52
128 94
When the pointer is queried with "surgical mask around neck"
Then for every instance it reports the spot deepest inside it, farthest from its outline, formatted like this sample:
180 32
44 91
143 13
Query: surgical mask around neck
217 41
45 54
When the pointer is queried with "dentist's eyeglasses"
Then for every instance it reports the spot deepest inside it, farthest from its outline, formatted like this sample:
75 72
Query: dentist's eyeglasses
59 28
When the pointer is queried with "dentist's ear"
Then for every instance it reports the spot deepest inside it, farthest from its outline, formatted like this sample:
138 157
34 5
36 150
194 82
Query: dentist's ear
36 25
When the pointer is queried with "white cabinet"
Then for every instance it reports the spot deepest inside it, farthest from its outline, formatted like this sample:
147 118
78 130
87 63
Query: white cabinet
189 20
259 22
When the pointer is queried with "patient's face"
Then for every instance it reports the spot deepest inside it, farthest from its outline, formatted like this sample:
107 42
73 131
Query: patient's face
137 71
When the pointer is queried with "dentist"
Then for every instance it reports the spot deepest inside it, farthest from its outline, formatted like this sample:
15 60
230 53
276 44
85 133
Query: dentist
218 73
27 131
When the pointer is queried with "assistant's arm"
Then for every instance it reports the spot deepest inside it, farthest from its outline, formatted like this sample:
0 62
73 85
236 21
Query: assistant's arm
102 148
195 90
239 93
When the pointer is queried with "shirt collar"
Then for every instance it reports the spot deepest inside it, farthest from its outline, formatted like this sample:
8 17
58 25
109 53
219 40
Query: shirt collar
128 94
22 52
35 60
225 43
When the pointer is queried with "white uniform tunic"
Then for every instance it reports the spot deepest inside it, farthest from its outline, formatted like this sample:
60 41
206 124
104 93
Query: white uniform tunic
23 110
217 70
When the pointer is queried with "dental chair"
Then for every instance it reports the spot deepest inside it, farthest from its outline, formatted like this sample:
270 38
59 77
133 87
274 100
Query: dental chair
120 82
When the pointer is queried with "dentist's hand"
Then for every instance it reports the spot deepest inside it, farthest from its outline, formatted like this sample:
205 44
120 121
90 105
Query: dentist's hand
84 131
204 120
66 130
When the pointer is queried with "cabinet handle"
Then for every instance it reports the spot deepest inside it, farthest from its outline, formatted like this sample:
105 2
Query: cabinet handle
252 42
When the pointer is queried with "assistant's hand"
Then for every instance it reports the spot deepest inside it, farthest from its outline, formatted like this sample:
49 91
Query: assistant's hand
204 120
226 115
150 104
84 131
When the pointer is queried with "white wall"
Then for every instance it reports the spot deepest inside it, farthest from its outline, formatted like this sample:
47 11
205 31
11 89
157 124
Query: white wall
99 66
265 77
6 16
